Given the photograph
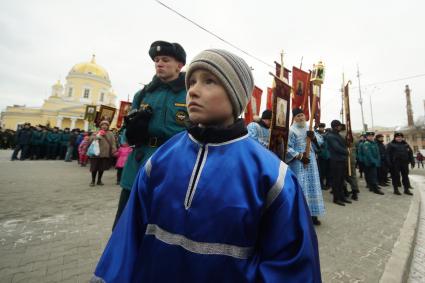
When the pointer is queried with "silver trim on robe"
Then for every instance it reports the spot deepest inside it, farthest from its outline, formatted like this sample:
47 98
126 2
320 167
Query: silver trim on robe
278 186
199 247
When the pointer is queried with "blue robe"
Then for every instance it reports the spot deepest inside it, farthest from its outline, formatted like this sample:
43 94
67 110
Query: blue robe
308 177
213 212
259 133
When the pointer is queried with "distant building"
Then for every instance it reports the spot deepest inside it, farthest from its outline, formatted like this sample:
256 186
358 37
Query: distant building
414 136
414 133
86 84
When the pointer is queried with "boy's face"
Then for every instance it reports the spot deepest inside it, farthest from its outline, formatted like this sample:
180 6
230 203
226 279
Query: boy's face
167 68
207 100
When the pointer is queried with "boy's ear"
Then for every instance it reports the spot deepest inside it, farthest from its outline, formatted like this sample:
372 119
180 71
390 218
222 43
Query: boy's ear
180 66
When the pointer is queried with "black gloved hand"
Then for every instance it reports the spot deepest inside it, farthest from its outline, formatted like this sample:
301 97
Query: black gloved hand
137 124
311 135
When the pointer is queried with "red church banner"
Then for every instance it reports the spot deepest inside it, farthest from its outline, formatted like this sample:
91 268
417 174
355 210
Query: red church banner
253 107
301 90
269 104
125 106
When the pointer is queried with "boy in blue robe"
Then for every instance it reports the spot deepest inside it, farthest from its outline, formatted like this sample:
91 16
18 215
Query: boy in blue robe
212 204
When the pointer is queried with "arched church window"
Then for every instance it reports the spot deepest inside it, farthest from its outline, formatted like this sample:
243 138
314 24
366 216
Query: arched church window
86 93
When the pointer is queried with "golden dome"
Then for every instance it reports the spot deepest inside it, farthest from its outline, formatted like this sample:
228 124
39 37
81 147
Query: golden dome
58 84
90 68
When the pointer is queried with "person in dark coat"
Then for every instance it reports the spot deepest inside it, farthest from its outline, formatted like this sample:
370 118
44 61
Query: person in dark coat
107 147
323 159
369 154
63 142
72 143
52 143
23 140
359 162
338 158
383 169
36 143
400 155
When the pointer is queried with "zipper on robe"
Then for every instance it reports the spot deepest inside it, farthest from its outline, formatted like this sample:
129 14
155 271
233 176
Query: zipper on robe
202 156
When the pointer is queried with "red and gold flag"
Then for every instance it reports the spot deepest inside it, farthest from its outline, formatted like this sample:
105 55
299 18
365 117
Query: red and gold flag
269 104
301 90
253 107
125 106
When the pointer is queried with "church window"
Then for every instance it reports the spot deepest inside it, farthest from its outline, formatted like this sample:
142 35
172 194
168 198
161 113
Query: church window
70 92
102 97
86 93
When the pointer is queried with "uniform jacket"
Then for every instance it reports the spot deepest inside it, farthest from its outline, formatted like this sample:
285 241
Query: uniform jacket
23 137
358 151
168 101
336 146
64 138
205 209
323 151
53 137
399 152
37 137
369 153
382 152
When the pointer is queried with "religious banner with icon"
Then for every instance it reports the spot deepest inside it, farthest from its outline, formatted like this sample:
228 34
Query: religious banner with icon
316 79
90 114
301 90
125 107
253 107
105 113
279 127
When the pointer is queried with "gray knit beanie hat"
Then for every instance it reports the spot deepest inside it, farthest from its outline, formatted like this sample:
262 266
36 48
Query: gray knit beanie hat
232 71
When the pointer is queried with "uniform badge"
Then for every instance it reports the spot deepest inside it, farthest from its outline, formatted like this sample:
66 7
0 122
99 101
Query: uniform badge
181 117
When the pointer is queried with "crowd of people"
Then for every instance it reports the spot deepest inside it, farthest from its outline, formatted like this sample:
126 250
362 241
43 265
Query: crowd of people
45 143
200 190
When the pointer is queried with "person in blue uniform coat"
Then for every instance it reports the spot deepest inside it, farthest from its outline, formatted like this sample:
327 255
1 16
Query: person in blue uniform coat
212 204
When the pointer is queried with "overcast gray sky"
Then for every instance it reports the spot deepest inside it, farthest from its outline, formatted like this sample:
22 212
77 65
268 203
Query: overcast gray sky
41 40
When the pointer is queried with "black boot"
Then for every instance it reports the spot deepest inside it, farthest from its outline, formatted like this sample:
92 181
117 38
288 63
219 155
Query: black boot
396 191
338 202
315 220
354 196
407 192
378 191
346 200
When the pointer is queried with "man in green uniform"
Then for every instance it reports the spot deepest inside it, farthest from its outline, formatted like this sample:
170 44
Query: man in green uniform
165 97
369 154
52 139
36 142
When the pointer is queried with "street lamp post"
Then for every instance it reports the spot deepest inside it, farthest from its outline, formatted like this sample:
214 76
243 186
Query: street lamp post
360 99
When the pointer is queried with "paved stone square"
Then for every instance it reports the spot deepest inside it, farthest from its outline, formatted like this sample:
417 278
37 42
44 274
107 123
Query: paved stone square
53 226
